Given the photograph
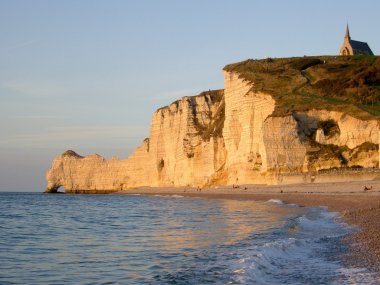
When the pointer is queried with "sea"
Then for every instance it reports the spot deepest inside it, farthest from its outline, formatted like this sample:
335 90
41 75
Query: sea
138 239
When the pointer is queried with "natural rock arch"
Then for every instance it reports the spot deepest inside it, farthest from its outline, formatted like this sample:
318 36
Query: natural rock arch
55 189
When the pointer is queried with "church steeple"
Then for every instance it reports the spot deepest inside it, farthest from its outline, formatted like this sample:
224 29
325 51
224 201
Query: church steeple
352 47
347 33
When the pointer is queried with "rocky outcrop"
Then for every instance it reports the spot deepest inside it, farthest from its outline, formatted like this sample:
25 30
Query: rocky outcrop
185 148
344 130
225 137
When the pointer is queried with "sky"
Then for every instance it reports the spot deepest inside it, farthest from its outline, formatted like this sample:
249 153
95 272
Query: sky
87 75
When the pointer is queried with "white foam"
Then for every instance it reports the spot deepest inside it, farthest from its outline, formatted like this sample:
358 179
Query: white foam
176 196
169 196
276 201
292 260
301 259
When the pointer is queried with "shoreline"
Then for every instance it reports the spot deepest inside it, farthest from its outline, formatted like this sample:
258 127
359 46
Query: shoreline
354 205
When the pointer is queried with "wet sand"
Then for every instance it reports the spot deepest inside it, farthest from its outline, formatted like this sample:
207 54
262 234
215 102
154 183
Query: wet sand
354 204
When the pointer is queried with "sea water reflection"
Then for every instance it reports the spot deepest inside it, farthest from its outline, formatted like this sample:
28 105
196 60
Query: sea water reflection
213 222
85 239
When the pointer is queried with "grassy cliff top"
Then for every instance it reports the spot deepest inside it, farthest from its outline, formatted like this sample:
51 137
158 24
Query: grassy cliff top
215 96
341 83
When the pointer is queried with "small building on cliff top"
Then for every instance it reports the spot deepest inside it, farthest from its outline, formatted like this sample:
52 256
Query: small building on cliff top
351 47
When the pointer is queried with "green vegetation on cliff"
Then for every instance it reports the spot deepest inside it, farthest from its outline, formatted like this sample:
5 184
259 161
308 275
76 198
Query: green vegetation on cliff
343 83
215 127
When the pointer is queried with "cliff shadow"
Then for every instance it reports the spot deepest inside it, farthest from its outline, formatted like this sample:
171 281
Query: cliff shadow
306 126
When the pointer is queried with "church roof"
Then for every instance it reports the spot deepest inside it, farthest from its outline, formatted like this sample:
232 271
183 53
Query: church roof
361 46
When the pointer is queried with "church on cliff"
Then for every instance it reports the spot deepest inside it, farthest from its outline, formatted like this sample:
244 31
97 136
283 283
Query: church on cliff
352 47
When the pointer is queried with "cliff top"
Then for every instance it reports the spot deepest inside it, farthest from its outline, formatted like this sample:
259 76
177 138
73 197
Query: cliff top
343 83
215 96
71 153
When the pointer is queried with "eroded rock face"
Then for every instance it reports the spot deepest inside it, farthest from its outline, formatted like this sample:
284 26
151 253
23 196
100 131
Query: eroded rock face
334 139
185 148
224 137
243 130
352 132
285 152
91 174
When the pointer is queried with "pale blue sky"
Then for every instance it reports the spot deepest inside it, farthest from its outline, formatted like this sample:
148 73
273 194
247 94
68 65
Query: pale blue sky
87 75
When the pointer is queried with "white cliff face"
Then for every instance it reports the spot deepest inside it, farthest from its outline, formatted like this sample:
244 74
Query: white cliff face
183 150
285 152
92 173
179 153
357 140
243 135
352 131
224 138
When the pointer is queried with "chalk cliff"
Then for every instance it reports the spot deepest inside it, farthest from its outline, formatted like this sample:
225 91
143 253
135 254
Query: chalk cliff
246 133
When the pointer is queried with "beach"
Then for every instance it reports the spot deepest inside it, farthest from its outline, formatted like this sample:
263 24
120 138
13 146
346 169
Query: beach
355 205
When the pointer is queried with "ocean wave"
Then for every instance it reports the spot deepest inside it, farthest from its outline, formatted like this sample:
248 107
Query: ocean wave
276 201
206 241
176 196
169 196
307 252
307 249
295 261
